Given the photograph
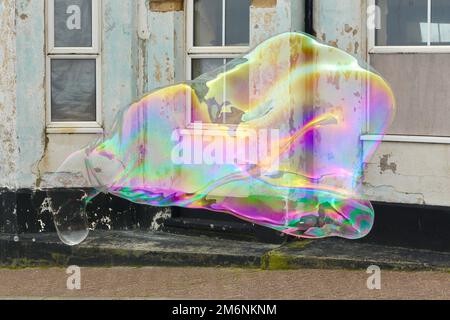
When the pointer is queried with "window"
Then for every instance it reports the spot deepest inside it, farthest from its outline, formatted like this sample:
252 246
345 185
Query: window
217 32
411 49
73 66
412 26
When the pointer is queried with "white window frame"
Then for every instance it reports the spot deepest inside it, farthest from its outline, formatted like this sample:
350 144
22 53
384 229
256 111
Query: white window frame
96 26
91 53
210 52
193 52
373 48
81 126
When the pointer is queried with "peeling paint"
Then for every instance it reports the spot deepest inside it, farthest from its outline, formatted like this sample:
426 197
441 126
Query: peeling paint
417 176
386 193
385 165
8 112
164 50
264 3
166 5
340 26
131 67
266 21
159 218
30 98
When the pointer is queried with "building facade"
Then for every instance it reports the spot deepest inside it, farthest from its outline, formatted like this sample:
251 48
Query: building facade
68 66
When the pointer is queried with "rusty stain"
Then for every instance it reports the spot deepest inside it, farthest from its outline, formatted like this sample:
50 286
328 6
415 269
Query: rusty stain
158 73
169 70
334 80
144 64
264 3
348 28
350 47
385 165
268 17
356 47
333 43
166 5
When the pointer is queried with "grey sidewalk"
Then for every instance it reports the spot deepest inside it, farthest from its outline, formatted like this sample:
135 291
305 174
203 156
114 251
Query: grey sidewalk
131 248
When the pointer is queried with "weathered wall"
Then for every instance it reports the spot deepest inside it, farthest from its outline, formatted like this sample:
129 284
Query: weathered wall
163 53
414 173
44 153
342 25
272 17
131 66
8 112
399 172
30 91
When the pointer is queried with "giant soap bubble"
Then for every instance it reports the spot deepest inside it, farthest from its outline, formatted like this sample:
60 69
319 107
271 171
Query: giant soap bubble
273 138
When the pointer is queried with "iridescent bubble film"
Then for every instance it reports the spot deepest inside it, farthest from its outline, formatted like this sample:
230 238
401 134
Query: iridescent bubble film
273 137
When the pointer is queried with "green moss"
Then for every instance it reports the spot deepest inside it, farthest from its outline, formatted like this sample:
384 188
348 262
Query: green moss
60 259
24 263
300 244
275 261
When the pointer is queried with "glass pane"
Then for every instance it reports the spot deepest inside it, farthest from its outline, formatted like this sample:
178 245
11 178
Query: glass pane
221 110
73 23
237 25
440 26
207 23
73 90
202 66
403 23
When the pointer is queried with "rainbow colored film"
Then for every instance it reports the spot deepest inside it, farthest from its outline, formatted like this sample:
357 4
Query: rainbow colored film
273 138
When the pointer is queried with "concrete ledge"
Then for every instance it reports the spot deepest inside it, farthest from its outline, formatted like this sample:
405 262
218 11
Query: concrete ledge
347 254
132 248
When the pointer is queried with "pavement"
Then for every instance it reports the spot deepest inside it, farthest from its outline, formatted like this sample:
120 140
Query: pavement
152 249
220 283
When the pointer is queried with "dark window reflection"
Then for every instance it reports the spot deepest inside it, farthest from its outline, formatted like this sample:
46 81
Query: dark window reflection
73 90
73 29
403 23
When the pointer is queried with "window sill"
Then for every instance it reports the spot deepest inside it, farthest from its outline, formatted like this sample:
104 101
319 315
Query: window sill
407 139
86 130
410 49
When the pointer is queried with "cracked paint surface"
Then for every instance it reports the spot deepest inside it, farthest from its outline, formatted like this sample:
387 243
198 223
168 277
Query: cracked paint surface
8 113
